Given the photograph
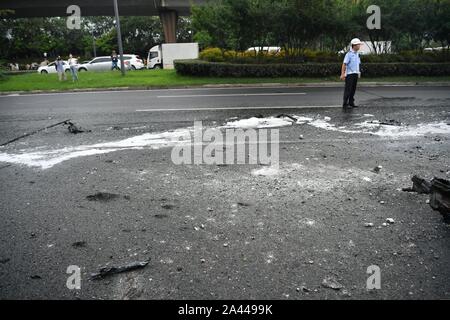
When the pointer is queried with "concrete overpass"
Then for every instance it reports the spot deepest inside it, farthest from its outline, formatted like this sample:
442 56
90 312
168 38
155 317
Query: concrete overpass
168 10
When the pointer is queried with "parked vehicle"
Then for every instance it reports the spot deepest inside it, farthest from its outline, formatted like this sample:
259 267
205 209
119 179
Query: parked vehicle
264 49
101 64
368 47
50 68
162 56
436 49
136 63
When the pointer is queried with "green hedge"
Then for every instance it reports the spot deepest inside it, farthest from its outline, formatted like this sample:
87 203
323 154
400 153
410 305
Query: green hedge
312 56
216 69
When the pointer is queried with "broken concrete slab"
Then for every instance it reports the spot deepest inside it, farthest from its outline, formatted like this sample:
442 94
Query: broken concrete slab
420 185
440 197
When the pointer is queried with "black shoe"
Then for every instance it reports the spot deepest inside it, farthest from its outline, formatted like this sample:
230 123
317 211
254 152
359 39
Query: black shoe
346 106
353 106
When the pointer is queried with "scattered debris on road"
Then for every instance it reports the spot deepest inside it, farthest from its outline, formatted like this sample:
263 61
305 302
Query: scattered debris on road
108 271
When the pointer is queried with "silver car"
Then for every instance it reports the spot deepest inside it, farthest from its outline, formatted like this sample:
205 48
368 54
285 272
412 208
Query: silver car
101 64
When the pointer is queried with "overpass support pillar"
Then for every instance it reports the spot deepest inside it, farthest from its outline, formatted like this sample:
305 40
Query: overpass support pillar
169 21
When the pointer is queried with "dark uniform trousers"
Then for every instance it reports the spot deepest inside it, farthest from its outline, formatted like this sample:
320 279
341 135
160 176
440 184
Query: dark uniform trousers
351 81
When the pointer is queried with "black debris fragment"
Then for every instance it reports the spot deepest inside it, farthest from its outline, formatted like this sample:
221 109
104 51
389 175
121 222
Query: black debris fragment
167 206
377 169
286 116
108 271
79 244
387 122
73 128
419 185
303 289
244 204
105 196
36 277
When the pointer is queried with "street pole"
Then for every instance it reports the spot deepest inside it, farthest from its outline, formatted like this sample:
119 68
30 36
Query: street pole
93 45
119 37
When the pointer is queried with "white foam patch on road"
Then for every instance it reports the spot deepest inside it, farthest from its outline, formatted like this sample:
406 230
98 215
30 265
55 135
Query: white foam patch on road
266 171
404 131
377 129
259 123
46 159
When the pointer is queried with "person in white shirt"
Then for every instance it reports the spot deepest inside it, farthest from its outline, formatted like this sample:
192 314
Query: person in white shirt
73 62
350 73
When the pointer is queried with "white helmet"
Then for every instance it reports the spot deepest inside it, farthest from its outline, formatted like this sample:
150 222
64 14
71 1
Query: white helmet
355 41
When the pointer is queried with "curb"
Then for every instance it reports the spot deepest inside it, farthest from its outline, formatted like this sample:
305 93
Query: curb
243 85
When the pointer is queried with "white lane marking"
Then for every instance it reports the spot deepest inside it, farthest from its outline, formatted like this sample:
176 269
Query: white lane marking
235 95
303 87
234 108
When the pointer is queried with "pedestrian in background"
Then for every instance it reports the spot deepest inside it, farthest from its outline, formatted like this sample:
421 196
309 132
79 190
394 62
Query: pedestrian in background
73 62
114 60
59 65
350 73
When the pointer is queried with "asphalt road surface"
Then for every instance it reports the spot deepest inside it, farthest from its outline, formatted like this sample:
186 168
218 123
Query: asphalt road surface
308 229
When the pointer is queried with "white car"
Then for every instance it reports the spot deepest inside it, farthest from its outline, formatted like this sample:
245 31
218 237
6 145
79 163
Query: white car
101 64
265 49
136 62
50 68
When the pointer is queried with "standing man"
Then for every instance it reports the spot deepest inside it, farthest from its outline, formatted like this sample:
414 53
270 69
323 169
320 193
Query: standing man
59 65
350 73
114 60
73 67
